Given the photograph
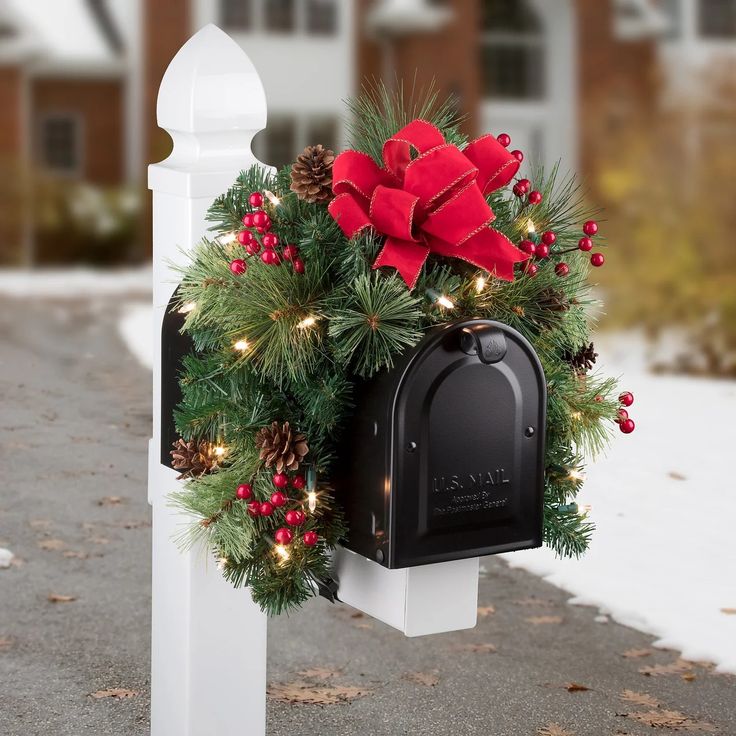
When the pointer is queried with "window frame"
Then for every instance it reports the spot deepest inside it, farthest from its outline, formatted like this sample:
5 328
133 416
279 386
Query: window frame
301 20
698 26
77 121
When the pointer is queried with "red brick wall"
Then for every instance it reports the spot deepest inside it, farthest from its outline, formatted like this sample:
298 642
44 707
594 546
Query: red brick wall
11 142
99 104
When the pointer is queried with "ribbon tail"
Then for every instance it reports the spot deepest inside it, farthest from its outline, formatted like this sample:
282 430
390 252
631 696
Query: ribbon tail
406 256
488 249
349 215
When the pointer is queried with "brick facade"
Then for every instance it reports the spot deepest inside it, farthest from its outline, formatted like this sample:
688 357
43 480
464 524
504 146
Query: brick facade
11 146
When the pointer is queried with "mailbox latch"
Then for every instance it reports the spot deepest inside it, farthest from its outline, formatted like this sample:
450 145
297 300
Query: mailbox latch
485 341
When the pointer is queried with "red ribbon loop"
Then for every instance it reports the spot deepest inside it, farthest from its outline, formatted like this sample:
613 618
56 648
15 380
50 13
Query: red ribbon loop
432 203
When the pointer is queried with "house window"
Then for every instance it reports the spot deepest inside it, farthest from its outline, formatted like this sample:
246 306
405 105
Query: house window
60 143
237 15
315 17
286 136
512 51
717 19
322 130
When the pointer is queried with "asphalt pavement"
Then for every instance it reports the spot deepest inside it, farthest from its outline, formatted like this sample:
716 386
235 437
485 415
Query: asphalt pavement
74 605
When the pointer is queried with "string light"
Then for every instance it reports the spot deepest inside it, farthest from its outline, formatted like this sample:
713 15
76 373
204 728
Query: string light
272 198
575 474
312 500
188 307
307 322
227 238
445 302
576 414
584 509
480 284
282 552
530 227
241 345
220 451
222 563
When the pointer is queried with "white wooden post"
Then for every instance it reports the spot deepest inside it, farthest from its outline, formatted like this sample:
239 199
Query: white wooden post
208 654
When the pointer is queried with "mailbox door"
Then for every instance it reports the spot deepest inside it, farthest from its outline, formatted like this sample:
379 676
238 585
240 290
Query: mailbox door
468 449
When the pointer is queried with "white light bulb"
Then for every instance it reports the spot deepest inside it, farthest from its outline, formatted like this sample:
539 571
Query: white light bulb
241 345
307 322
480 284
575 474
445 302
530 227
220 451
188 307
272 198
282 552
227 238
312 500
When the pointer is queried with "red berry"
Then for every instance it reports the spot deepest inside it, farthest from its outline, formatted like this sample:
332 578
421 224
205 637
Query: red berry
504 139
238 266
627 426
524 184
245 237
541 251
562 269
254 508
291 252
294 518
244 491
518 191
530 269
280 480
252 249
256 199
526 246
283 536
549 238
585 244
268 256
260 230
518 155
298 482
278 499
597 260
599 398
310 538
270 240
248 219
622 414
260 218
266 508
626 398
535 197
298 265
590 227
276 260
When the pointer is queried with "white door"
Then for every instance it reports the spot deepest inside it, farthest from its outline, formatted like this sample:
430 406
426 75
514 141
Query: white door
527 59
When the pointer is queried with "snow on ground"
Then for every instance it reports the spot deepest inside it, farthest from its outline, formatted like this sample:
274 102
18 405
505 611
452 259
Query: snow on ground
663 558
74 282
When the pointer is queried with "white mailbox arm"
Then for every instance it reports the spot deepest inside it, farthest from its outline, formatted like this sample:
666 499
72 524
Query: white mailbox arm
208 654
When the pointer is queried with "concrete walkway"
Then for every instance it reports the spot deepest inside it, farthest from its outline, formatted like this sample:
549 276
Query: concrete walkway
75 422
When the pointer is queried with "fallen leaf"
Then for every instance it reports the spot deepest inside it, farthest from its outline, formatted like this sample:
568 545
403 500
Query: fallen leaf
110 501
5 643
729 611
52 544
114 692
74 554
636 653
539 602
575 687
428 679
356 614
554 729
631 696
319 673
480 648
671 719
676 476
689 676
55 598
302 693
542 620
484 611
673 668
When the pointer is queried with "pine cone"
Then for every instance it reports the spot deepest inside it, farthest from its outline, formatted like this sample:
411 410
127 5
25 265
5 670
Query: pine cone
583 360
281 447
311 174
553 300
193 458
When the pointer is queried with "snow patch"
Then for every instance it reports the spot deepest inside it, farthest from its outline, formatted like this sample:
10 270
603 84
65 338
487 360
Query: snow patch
74 283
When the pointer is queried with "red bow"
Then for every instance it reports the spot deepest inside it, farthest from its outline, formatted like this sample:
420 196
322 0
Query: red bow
433 203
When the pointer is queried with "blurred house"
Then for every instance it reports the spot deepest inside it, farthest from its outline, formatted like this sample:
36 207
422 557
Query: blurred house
79 78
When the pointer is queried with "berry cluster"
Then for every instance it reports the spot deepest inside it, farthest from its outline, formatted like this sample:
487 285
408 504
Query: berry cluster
280 502
257 238
625 424
523 186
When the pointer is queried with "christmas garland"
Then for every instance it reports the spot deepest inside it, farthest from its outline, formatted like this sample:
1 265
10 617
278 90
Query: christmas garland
323 274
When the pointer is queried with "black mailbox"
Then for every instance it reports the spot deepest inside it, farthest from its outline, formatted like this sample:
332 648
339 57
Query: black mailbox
444 458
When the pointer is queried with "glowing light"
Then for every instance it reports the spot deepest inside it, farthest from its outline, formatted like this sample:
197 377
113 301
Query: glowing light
584 509
480 284
241 345
222 563
272 198
307 322
576 415
575 474
282 552
530 227
312 500
445 302
220 451
227 238
188 307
